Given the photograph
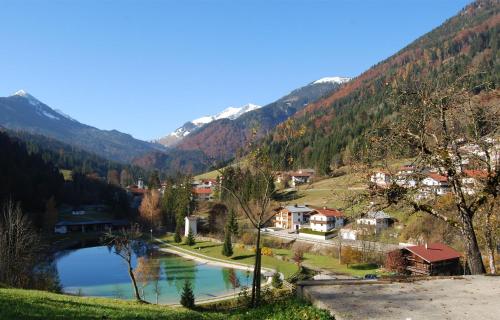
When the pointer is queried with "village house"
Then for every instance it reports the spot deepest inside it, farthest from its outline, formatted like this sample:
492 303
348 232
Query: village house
471 180
202 194
352 232
299 177
431 259
292 217
435 184
378 219
406 177
381 179
325 219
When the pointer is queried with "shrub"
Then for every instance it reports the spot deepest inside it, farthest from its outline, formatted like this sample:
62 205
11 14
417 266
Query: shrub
248 238
350 256
276 281
187 297
395 261
266 251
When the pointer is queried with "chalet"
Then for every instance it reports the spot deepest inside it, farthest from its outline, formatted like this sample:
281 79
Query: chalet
202 194
406 177
325 219
433 259
378 219
381 179
435 184
300 177
292 217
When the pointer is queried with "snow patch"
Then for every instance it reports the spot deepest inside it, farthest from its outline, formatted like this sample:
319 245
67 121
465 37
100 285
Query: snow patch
338 80
32 100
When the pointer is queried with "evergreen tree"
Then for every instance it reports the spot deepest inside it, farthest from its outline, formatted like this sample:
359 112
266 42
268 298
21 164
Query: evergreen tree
187 297
227 248
177 235
232 223
154 180
190 240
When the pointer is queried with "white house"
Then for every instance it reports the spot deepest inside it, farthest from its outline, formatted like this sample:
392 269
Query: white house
324 220
292 217
436 184
300 177
381 179
471 180
349 233
379 219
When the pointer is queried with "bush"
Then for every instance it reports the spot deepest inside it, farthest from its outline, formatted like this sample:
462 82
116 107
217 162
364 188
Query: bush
248 238
350 256
187 297
276 281
266 251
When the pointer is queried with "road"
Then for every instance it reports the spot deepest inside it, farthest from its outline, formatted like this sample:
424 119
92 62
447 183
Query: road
335 242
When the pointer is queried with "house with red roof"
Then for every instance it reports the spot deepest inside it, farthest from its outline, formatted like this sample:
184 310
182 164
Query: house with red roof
431 259
202 194
326 219
436 184
381 178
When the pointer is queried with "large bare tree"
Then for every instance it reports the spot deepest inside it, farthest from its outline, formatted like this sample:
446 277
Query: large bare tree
449 125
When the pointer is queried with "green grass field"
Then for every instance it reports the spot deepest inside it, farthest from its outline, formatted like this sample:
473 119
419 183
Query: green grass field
31 304
240 255
284 264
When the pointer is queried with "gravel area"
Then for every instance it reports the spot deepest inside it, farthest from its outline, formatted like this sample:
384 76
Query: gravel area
470 297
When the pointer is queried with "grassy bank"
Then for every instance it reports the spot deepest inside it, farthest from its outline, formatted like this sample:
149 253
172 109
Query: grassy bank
281 259
241 255
30 304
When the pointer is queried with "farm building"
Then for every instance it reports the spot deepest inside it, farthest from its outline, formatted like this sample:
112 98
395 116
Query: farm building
431 259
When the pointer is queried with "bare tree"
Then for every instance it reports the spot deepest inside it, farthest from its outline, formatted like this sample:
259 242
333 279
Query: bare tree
124 243
19 243
449 125
150 210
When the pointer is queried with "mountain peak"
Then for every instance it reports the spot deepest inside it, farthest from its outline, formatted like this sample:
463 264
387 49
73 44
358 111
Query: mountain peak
32 100
338 80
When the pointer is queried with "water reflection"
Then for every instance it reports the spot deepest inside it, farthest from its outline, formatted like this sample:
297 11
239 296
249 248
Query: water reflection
98 272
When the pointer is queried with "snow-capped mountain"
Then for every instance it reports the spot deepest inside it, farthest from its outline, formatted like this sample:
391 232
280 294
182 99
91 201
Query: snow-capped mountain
229 113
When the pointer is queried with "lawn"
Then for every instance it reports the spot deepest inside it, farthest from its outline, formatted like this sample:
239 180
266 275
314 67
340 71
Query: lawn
240 255
284 265
31 304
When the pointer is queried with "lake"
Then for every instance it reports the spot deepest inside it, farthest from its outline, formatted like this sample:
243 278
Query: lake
98 271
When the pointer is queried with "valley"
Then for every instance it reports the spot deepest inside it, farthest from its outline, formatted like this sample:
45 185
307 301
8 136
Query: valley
372 192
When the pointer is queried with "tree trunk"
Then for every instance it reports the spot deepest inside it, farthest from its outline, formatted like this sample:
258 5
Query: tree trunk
490 246
474 259
134 283
256 273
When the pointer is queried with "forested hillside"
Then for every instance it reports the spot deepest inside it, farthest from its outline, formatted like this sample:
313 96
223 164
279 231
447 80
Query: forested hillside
336 125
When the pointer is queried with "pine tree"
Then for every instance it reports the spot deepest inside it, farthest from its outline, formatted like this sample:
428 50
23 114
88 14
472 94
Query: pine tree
177 235
187 296
190 240
232 223
227 248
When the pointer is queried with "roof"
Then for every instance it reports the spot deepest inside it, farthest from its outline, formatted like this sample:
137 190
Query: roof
437 177
327 212
377 215
476 173
79 223
202 191
300 174
298 208
434 252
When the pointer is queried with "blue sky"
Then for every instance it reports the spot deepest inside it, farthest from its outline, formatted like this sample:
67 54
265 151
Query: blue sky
146 67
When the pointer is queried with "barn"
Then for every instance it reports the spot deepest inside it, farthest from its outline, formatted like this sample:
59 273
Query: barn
432 259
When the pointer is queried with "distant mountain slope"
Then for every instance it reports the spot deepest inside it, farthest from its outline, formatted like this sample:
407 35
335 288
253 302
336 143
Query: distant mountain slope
221 139
336 123
180 133
24 112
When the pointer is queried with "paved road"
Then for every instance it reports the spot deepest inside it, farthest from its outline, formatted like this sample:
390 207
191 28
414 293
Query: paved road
334 242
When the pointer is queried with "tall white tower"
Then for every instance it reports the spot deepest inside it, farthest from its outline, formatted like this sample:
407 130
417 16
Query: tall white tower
140 183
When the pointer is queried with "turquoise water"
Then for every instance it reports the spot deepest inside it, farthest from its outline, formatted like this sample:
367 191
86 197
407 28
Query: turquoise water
97 271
